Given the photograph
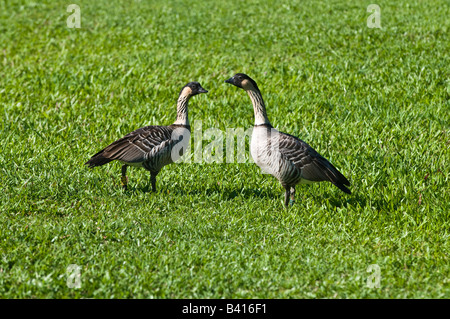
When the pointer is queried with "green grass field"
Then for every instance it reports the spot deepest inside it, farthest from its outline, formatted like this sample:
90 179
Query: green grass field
375 102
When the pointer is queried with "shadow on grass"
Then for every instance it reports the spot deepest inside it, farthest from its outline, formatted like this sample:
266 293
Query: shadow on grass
213 190
210 190
228 193
355 199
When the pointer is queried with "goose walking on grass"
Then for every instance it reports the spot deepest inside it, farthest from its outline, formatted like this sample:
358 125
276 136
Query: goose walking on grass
286 157
152 147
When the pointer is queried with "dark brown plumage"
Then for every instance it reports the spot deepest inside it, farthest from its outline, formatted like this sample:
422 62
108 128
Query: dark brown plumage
314 167
151 147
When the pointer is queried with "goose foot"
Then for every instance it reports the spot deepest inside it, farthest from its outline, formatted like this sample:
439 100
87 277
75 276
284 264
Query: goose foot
124 180
153 180
124 177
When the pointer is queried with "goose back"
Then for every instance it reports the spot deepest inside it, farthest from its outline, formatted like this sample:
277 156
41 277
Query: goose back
149 147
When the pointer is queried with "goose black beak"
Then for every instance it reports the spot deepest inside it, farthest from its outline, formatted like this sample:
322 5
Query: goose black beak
230 80
202 90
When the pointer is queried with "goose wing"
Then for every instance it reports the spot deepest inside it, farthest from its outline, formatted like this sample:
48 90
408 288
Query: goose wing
313 166
136 146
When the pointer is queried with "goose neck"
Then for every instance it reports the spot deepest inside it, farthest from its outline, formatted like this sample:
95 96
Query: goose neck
258 107
182 110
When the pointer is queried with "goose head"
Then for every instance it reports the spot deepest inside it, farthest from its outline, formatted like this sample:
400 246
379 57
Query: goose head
191 89
243 81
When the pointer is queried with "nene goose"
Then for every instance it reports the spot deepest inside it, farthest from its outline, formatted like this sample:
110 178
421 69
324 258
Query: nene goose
286 157
152 147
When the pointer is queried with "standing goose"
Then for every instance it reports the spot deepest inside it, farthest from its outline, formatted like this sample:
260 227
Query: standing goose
151 147
286 157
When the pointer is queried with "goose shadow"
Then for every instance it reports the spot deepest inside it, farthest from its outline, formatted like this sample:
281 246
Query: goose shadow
229 193
226 193
355 199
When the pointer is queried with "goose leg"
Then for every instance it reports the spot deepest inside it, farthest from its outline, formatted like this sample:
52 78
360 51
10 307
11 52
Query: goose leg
286 197
153 180
124 177
292 201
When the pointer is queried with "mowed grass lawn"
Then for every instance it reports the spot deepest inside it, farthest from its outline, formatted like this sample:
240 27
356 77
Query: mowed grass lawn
375 102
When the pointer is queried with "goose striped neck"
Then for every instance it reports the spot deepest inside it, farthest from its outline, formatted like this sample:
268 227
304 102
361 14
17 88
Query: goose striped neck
182 107
258 106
